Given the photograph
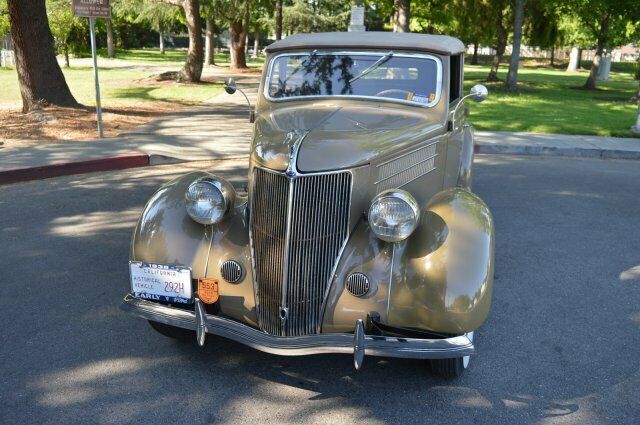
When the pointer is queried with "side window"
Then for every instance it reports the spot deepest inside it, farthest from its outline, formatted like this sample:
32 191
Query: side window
455 77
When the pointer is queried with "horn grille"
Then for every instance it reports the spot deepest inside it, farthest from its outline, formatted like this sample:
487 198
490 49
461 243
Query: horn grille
231 271
358 284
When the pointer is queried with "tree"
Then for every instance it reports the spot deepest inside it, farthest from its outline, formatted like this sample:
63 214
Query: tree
111 51
192 70
160 16
40 78
500 11
512 75
543 27
61 23
4 19
278 19
237 14
605 21
401 15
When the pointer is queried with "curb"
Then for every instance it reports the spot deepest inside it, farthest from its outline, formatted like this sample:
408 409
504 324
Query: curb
57 169
557 151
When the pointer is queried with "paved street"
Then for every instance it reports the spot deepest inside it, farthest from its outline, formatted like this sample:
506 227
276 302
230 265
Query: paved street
561 345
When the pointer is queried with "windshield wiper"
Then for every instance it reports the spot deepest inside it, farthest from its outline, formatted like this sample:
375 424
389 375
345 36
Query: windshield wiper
377 63
299 67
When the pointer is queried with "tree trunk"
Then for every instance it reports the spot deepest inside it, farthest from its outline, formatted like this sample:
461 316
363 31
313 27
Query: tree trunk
161 42
402 15
553 56
500 47
238 33
603 38
210 44
256 44
40 78
111 53
279 20
514 63
574 60
474 58
192 70
67 64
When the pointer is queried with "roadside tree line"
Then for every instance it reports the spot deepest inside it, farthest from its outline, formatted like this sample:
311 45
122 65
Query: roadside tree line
41 27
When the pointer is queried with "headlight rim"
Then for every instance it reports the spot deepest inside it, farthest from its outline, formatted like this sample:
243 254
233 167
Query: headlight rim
226 190
404 196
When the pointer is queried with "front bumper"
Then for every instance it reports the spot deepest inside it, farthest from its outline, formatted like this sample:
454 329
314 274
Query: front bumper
358 344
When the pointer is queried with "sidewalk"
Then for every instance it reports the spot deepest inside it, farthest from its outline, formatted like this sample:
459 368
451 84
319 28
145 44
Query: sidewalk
216 129
220 129
557 145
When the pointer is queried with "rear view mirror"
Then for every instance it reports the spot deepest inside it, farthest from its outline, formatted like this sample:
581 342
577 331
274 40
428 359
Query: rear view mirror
479 93
230 86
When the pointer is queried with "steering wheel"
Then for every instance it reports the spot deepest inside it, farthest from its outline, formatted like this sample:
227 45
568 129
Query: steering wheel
394 93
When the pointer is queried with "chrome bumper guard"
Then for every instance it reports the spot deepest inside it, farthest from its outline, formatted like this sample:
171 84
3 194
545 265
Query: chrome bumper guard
358 344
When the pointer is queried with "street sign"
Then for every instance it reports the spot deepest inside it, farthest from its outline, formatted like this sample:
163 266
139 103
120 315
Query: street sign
91 8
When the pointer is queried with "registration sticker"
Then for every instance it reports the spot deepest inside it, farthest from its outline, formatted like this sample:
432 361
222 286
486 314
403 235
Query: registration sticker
160 282
419 98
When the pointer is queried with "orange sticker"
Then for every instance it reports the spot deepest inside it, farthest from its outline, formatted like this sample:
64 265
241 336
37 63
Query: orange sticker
432 97
208 290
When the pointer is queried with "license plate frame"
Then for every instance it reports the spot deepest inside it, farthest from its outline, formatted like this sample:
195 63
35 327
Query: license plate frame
161 282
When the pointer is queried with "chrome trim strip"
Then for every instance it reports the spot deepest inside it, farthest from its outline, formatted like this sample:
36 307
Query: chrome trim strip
374 345
360 53
395 158
287 253
405 170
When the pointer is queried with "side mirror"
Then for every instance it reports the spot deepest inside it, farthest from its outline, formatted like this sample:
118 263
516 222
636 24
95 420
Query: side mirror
478 93
230 86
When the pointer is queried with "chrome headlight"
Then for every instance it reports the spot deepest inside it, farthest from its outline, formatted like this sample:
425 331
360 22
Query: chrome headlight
394 215
209 199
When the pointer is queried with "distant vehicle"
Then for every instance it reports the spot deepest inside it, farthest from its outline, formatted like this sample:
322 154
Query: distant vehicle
359 232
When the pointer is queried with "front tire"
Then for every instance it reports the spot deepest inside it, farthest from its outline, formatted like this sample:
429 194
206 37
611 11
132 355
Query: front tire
174 332
451 368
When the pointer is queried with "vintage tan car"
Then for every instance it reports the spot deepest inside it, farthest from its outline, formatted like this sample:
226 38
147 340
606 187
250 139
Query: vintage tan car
358 232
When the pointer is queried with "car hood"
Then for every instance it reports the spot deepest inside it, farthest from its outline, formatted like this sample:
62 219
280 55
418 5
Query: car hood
337 136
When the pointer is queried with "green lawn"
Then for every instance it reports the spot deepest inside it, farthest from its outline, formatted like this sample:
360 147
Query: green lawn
119 87
551 102
172 57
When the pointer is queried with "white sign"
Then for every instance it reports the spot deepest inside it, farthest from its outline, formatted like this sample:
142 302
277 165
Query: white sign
357 19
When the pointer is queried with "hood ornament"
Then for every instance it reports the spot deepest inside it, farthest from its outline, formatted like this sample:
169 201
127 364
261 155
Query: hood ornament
294 140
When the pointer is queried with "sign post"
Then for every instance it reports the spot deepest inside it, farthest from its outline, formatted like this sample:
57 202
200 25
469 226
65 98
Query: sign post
93 9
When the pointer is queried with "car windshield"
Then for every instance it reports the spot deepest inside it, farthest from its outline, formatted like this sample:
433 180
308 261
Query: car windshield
401 77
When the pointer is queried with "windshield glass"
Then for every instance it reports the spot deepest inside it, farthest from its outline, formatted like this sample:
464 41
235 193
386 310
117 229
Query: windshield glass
400 77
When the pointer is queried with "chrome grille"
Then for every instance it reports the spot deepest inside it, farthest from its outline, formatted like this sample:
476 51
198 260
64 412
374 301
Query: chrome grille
293 264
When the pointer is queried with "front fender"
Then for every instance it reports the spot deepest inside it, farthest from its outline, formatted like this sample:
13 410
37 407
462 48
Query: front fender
439 279
443 274
165 234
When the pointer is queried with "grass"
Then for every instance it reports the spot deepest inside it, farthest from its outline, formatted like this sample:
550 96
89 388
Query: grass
551 101
172 57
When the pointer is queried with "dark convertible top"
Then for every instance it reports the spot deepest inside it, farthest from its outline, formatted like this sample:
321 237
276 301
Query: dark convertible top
441 44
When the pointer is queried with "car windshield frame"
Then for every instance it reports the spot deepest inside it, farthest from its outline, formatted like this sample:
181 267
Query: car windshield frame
427 56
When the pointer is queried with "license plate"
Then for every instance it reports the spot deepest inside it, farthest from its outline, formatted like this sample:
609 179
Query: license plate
161 283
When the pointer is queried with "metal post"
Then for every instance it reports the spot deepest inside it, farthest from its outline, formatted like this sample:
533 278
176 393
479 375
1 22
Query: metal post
92 24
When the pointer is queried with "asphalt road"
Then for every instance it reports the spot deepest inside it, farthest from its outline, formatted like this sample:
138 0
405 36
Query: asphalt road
561 345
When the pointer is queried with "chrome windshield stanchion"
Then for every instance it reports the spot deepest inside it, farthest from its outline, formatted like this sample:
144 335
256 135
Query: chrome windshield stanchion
201 323
358 345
